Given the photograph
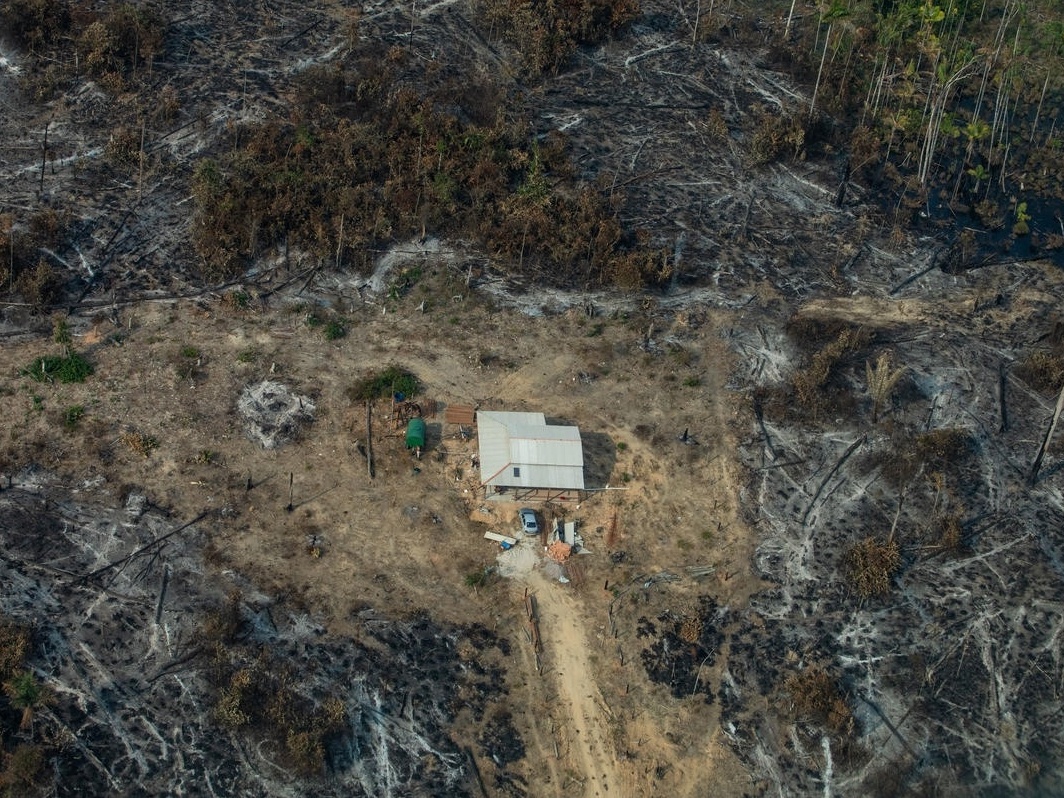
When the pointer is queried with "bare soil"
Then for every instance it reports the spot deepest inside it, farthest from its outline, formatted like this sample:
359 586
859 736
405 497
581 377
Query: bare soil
718 572
403 542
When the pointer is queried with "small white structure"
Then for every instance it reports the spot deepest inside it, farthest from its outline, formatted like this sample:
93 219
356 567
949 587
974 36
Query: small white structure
521 454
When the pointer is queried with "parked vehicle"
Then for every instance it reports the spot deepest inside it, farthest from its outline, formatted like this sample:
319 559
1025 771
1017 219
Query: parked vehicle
529 522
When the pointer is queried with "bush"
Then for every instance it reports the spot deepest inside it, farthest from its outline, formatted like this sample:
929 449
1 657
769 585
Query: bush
547 34
14 647
383 384
59 368
334 330
871 565
815 695
73 415
21 770
139 443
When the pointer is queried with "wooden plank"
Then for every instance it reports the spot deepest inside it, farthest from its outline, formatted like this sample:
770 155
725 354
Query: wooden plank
500 538
459 414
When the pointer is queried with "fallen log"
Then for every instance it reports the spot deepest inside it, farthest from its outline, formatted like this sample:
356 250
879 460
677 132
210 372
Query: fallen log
1045 441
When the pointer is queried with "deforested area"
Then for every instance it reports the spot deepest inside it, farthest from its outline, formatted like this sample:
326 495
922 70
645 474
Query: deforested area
762 301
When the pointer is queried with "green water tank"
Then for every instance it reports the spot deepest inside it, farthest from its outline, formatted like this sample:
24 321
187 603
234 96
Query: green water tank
415 434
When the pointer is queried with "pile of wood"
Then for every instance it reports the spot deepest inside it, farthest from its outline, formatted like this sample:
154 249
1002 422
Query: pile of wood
402 412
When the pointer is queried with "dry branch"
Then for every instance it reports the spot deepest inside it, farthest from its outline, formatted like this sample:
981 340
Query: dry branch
136 553
845 456
1045 441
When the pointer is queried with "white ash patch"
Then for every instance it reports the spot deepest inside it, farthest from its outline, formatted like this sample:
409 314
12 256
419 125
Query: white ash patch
273 414
518 561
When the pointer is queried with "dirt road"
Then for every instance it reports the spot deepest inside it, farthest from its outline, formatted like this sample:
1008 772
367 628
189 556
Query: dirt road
584 738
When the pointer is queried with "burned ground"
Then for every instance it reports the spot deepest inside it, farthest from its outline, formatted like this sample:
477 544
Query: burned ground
731 650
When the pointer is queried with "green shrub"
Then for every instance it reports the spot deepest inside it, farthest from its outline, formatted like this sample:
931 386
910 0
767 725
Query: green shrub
59 368
383 384
334 330
73 415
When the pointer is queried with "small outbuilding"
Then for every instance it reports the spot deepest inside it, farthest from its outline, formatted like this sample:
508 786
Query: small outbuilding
524 456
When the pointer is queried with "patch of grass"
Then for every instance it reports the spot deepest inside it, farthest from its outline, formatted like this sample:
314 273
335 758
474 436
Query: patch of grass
14 647
38 403
247 356
67 368
402 284
1043 371
238 300
692 382
334 330
621 446
393 379
190 352
478 579
139 443
815 695
72 416
810 381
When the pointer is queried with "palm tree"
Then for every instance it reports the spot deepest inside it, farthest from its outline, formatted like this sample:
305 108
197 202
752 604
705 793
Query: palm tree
27 694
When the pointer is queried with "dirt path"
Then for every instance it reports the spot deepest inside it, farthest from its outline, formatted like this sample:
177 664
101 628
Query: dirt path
584 739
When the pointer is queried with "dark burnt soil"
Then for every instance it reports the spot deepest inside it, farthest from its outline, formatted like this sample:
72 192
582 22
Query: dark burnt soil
138 704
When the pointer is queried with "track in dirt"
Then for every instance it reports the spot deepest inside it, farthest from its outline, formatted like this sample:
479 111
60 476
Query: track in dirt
586 731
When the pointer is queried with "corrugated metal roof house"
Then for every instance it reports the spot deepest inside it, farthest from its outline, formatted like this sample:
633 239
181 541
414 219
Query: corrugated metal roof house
523 453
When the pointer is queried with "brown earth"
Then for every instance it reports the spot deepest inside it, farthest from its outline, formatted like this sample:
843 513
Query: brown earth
404 542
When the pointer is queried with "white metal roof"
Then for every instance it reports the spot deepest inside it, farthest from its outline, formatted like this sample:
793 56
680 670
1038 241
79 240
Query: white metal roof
522 450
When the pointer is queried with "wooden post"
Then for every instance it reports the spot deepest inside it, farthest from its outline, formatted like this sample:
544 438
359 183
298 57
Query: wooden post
369 436
291 480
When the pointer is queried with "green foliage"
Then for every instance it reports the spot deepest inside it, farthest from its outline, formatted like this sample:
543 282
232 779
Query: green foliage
334 330
393 379
67 368
478 579
72 416
24 691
